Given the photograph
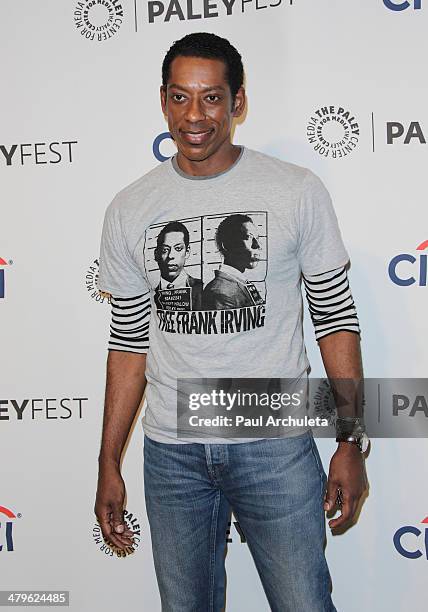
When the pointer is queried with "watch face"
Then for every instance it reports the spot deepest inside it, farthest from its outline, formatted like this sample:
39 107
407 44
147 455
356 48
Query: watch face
364 442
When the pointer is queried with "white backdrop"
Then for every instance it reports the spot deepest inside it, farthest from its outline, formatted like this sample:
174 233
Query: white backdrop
98 101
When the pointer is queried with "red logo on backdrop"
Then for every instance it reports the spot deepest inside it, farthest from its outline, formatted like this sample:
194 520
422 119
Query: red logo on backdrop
406 269
7 520
409 540
2 283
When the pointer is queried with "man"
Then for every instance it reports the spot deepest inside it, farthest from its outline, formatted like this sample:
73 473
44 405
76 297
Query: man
275 486
171 252
238 241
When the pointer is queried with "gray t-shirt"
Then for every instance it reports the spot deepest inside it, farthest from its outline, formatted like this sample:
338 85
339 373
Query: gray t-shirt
229 304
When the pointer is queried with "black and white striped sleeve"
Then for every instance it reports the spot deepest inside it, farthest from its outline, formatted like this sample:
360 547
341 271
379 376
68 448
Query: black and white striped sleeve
129 329
331 305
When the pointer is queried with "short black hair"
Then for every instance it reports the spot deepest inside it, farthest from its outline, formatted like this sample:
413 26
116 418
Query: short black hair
210 46
229 230
173 226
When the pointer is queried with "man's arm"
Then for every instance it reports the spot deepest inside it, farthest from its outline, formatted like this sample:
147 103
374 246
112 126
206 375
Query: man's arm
337 332
125 386
341 356
320 249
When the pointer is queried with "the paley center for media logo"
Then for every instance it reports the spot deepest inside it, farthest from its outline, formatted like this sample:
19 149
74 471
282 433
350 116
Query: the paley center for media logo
108 548
91 284
7 521
98 20
333 131
406 269
411 542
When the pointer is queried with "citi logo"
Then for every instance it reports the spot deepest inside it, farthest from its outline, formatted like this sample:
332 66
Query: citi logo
6 528
395 5
2 275
156 147
406 269
407 540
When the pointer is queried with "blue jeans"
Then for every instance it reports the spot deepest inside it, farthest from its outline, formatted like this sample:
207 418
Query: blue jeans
275 488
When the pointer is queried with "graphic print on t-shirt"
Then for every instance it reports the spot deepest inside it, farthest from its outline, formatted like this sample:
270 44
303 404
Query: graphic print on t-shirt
208 272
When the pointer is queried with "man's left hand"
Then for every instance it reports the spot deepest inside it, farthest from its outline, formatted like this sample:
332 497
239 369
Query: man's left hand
347 474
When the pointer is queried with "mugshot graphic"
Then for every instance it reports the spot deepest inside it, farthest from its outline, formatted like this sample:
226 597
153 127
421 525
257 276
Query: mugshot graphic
238 243
177 289
208 272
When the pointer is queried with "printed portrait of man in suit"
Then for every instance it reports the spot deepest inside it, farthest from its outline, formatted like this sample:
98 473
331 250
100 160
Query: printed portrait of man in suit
238 242
176 290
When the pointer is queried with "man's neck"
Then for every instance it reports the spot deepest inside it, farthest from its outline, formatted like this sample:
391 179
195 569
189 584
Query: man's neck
220 161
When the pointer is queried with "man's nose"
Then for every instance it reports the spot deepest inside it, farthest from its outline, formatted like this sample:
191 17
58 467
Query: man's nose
194 111
256 244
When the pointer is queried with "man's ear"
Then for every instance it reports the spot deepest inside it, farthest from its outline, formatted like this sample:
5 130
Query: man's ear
163 98
239 102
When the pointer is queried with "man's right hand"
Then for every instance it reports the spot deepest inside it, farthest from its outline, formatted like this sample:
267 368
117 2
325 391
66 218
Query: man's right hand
109 506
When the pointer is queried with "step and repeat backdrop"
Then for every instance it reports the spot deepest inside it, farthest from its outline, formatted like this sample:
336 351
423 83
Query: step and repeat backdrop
334 85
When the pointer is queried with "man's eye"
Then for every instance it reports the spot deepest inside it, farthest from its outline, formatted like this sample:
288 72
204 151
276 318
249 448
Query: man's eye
213 98
177 97
179 248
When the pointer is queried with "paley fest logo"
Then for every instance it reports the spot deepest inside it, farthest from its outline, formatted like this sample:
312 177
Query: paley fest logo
3 263
91 284
186 10
399 5
37 153
108 548
42 409
98 20
333 131
408 541
404 405
397 132
406 269
7 521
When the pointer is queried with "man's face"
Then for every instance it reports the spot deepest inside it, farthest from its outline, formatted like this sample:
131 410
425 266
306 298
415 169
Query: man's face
198 104
246 252
171 255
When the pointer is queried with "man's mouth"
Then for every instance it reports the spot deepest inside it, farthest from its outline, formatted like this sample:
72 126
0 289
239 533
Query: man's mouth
196 137
172 267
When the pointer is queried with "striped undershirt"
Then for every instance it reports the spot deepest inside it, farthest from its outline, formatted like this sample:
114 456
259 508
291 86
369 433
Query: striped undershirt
331 305
129 329
330 301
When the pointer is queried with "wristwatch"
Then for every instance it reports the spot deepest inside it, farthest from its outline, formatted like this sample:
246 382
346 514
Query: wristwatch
361 440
